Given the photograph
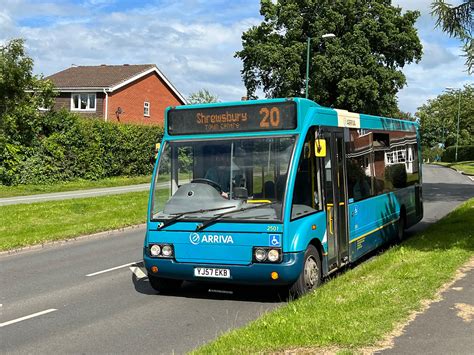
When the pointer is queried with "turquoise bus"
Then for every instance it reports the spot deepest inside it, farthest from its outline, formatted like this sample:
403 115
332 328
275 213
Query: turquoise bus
278 192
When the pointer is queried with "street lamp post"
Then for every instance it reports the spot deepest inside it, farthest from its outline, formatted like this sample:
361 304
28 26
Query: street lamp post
459 113
308 47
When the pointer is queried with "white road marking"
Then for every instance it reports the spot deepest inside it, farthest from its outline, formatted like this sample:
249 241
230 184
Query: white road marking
113 268
27 317
138 272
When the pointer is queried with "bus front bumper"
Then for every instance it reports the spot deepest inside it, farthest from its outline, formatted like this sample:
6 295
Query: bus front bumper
252 274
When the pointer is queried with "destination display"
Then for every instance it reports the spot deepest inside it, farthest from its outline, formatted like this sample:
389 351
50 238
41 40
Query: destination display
225 119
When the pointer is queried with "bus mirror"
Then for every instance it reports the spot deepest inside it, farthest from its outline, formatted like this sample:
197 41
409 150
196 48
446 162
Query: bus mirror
320 148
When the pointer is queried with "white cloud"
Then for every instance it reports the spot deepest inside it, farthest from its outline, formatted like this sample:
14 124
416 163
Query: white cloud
193 55
193 44
435 55
441 64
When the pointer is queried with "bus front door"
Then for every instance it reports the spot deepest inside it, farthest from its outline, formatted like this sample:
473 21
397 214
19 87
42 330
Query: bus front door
335 192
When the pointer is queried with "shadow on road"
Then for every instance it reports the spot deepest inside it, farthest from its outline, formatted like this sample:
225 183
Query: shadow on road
435 192
214 291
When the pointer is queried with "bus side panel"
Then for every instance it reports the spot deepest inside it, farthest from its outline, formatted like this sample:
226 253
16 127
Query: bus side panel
407 197
372 222
300 232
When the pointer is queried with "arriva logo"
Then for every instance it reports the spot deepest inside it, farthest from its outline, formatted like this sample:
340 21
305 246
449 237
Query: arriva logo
195 238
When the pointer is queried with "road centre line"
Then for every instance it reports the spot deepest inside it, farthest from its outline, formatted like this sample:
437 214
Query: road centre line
27 317
113 268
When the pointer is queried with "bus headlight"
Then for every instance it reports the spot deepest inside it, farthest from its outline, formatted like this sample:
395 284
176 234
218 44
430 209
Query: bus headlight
161 250
260 254
273 255
167 251
155 250
267 255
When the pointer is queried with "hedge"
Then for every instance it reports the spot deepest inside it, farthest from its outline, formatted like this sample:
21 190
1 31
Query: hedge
465 152
397 175
71 147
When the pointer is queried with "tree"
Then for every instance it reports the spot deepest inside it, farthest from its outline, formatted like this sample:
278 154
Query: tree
359 70
457 22
202 96
438 119
21 95
401 115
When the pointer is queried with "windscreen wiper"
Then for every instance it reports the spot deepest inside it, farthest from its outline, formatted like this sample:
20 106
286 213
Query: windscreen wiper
220 215
179 215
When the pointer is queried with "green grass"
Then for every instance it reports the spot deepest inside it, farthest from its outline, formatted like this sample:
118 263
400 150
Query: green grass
28 224
359 307
22 190
465 166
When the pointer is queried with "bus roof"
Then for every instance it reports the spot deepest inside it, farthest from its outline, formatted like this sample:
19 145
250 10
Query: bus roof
308 113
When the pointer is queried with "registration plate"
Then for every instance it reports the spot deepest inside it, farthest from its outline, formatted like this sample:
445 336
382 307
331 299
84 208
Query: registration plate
212 272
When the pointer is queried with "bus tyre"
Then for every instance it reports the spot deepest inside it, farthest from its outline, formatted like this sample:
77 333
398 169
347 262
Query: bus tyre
164 285
310 276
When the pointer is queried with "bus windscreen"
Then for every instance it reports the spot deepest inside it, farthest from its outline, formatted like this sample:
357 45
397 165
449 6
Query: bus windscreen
227 119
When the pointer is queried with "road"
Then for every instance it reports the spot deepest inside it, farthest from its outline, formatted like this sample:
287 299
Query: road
83 297
79 194
73 194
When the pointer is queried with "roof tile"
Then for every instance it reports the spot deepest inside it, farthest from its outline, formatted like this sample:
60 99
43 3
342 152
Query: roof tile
103 76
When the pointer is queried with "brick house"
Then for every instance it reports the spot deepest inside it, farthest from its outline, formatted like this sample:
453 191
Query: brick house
116 93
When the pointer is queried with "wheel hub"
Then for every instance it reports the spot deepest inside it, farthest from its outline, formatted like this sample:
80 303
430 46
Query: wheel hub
311 273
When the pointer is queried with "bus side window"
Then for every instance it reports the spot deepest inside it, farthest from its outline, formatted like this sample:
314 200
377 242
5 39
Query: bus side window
359 155
306 198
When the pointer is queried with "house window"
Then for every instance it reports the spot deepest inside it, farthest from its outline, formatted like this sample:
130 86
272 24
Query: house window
146 109
83 102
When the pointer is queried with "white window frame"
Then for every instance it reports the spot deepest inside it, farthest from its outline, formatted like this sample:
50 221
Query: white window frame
87 109
146 109
396 156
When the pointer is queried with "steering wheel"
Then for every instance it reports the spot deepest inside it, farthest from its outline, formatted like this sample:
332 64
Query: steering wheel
209 182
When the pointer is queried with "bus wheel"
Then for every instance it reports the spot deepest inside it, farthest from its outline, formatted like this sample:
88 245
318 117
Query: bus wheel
164 285
310 276
401 228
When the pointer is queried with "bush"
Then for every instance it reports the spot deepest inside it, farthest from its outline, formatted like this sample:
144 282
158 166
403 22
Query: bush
397 175
70 147
431 154
465 152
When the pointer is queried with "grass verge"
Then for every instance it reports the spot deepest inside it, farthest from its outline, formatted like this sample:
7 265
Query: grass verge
27 224
23 190
359 307
466 167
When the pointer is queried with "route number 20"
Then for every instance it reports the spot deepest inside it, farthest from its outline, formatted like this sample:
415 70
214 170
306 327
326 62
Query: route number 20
270 117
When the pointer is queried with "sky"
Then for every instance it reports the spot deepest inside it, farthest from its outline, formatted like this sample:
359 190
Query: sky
193 42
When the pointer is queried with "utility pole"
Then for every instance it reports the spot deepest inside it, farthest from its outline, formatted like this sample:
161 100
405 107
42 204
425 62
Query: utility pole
451 89
308 47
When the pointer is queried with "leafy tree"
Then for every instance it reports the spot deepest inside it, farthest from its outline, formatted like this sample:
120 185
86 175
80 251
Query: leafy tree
21 94
359 70
401 115
202 96
438 119
457 22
